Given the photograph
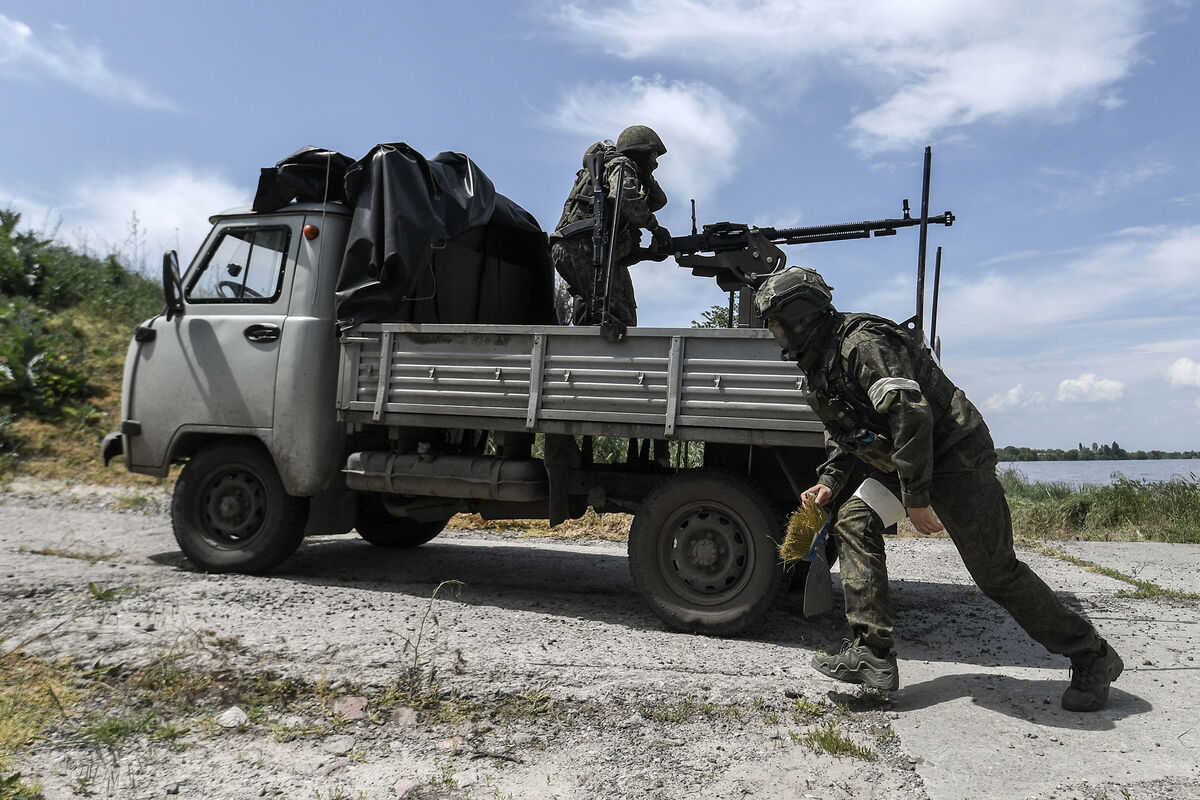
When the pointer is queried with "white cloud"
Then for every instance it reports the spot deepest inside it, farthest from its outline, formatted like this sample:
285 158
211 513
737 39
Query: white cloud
1016 397
1113 183
935 66
59 57
1087 388
1183 373
700 127
1148 268
172 203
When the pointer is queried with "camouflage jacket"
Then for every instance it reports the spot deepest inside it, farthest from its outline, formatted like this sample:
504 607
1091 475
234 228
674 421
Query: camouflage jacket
885 401
639 200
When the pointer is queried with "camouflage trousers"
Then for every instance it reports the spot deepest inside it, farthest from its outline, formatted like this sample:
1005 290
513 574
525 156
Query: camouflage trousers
972 507
573 261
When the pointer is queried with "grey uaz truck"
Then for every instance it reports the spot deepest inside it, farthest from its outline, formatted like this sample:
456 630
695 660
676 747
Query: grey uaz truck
373 347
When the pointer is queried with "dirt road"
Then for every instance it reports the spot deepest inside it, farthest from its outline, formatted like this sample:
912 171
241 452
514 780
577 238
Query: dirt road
543 676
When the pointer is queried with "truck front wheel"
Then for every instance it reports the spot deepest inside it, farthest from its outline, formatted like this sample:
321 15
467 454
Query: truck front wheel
703 552
383 529
230 512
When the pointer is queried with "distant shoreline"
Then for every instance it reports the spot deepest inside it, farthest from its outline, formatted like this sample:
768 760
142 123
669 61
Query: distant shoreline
1113 452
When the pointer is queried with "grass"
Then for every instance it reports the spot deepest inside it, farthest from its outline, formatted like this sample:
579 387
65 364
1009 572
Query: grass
1144 589
827 738
1127 510
34 692
610 527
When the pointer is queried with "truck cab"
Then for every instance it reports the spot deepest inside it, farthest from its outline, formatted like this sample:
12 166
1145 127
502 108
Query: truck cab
249 350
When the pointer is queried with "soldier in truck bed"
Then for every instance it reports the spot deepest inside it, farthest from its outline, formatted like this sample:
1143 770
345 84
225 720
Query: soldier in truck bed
885 402
637 148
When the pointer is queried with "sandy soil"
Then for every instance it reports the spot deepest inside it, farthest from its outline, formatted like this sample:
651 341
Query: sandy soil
555 681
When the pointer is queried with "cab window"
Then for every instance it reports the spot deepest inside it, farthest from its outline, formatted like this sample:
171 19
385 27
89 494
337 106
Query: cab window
245 265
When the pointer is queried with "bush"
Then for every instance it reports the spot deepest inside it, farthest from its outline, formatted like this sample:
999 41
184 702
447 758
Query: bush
9 441
57 277
39 369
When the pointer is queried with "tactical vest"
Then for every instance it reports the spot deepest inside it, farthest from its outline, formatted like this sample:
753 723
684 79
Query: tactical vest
843 405
577 210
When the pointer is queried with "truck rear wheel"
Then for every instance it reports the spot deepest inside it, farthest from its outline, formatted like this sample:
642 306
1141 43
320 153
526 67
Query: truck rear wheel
382 529
703 552
230 512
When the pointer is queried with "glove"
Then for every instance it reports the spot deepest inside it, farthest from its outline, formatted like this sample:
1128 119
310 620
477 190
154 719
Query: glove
662 239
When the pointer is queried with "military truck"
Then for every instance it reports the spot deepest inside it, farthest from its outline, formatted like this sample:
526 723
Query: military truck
299 408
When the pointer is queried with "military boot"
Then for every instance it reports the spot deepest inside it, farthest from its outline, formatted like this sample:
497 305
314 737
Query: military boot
857 662
1090 676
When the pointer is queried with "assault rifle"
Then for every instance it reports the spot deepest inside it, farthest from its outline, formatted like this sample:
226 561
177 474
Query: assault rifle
743 255
604 240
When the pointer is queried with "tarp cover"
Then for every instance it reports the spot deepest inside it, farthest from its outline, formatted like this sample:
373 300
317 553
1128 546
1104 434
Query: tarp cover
432 241
309 175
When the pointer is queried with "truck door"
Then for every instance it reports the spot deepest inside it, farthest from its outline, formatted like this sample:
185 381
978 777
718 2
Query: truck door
213 367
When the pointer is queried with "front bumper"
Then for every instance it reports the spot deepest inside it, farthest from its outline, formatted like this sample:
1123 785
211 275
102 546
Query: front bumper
112 446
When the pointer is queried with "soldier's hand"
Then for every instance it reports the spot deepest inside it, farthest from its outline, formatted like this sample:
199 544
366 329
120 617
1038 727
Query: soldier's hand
924 520
662 239
819 494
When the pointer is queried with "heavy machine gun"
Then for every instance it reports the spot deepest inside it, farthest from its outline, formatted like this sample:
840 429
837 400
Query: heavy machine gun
743 255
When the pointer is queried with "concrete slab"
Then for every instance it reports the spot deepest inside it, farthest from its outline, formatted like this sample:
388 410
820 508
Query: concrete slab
1172 566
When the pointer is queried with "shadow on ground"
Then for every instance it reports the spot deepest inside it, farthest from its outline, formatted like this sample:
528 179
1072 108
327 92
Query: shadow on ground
935 621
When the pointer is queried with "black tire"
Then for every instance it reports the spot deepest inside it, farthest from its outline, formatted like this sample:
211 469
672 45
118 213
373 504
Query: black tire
231 514
703 552
382 529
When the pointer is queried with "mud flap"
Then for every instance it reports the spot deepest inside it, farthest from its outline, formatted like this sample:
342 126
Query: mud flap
818 587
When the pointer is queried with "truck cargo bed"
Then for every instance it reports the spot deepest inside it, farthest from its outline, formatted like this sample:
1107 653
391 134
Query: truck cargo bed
689 384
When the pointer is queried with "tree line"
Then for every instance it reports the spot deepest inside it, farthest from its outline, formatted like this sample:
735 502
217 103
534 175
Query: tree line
1097 452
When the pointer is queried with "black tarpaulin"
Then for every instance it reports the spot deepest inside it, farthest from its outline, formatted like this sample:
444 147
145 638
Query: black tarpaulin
309 175
432 241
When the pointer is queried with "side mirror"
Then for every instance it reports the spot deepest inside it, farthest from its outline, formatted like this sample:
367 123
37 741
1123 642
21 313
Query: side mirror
172 285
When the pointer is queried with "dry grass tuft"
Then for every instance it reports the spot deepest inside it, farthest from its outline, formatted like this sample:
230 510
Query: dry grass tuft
803 526
610 527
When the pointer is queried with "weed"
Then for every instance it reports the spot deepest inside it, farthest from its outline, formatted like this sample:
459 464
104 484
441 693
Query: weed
111 593
1126 510
689 710
1145 589
136 500
829 739
110 731
13 788
33 692
91 558
10 441
805 710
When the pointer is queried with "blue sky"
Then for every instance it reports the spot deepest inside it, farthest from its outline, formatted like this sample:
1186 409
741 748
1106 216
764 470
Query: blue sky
1064 139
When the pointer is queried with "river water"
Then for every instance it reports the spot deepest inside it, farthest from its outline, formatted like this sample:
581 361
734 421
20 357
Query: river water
1078 473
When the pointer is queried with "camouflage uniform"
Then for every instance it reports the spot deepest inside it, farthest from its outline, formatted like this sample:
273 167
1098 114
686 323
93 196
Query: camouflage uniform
931 447
573 254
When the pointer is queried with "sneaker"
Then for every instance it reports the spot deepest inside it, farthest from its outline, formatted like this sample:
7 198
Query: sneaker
1090 677
856 662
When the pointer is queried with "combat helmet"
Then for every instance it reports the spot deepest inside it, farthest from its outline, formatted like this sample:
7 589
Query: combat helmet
791 295
640 138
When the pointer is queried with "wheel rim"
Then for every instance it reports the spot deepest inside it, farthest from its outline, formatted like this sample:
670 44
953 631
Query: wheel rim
233 507
706 553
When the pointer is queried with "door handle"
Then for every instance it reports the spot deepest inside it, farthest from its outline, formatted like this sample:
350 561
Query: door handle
260 332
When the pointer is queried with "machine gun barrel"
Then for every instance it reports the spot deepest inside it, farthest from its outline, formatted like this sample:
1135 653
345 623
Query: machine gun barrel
721 236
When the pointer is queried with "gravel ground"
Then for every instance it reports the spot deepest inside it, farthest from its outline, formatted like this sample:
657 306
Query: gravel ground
354 675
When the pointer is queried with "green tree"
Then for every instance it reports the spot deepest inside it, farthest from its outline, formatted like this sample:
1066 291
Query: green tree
715 317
